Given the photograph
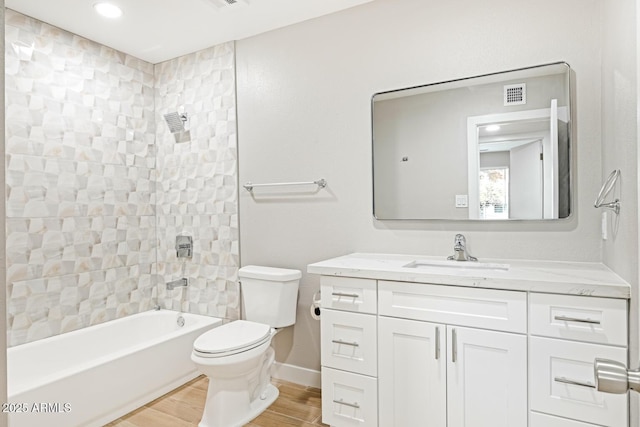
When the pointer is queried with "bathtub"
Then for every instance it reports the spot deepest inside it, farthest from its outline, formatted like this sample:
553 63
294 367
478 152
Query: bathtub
94 375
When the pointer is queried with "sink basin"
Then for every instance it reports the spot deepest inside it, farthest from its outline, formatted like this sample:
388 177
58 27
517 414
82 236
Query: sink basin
460 265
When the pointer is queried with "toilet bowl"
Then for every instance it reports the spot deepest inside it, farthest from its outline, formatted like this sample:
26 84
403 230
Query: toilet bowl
237 357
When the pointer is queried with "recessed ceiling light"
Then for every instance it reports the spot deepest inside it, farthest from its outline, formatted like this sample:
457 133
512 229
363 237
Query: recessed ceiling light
492 128
108 10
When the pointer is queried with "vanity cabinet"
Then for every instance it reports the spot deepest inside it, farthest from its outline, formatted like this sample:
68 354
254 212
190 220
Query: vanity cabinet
468 352
567 333
349 355
450 374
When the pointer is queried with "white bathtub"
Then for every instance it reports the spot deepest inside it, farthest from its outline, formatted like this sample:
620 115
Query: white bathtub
92 376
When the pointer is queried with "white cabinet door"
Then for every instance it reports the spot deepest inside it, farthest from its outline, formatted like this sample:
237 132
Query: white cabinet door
487 378
412 373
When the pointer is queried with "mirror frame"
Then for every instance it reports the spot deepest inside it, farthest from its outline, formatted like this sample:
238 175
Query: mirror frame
570 135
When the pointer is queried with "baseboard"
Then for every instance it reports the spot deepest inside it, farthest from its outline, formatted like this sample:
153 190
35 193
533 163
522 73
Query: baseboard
296 374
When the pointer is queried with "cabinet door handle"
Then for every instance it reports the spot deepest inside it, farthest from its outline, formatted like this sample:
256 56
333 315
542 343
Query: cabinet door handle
575 319
342 402
342 294
352 344
437 343
564 380
454 346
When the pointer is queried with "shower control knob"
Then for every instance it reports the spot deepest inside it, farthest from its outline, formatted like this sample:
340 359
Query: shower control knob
613 377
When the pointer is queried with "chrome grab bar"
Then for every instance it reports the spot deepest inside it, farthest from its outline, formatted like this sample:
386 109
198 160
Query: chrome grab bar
575 319
319 182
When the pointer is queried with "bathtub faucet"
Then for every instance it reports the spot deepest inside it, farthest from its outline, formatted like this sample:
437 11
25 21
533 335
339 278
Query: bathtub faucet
184 282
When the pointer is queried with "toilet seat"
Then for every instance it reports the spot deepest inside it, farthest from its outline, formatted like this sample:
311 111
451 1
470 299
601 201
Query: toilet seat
232 338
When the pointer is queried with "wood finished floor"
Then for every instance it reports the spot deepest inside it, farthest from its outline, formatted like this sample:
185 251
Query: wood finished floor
296 406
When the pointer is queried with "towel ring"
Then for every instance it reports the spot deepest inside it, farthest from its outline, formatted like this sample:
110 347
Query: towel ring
608 185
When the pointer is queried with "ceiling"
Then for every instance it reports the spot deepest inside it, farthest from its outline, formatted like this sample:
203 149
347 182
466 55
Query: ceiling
159 30
512 134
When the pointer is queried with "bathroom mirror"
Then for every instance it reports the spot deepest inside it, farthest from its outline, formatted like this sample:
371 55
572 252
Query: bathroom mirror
490 147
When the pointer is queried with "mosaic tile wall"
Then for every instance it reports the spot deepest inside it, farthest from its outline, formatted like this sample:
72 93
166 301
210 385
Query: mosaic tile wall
91 218
80 181
197 187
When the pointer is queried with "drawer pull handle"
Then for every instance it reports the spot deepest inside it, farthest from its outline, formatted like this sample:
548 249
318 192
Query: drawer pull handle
352 344
342 294
564 380
575 319
437 343
342 402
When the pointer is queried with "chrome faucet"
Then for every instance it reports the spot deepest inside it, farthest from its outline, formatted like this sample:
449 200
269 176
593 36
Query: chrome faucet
460 250
184 282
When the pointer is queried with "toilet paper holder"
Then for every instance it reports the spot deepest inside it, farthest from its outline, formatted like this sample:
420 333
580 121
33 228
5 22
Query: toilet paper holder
315 306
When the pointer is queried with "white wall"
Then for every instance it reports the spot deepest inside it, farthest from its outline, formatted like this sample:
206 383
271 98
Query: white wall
304 113
619 151
619 132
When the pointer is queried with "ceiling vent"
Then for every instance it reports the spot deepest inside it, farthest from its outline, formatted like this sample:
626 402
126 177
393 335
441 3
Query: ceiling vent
218 4
515 94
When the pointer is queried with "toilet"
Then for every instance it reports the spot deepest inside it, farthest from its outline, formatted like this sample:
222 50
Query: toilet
237 356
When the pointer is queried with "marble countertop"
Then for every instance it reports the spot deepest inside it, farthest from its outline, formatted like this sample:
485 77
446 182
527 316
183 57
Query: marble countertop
560 277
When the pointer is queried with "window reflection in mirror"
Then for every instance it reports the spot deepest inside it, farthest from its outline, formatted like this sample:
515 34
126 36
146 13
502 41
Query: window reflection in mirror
494 192
435 146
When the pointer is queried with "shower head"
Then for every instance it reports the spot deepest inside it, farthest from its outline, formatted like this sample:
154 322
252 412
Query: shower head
176 121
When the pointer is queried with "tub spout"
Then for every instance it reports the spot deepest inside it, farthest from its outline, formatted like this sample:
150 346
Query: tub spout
184 282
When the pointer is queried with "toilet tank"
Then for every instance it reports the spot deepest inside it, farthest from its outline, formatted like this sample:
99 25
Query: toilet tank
269 295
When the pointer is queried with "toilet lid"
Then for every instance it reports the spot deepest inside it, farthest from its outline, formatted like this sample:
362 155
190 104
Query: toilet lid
232 336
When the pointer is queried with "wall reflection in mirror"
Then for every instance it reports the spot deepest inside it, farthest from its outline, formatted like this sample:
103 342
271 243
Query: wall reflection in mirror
492 147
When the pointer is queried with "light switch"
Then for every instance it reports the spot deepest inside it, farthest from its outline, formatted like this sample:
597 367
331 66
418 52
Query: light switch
462 201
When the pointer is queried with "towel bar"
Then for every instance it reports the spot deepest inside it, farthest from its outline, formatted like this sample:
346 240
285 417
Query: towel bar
321 183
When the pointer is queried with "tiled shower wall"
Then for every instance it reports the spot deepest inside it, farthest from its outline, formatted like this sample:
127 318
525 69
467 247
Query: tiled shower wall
197 182
84 243
80 181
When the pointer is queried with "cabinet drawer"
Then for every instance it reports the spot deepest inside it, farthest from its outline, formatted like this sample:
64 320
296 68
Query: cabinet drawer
543 420
349 341
349 399
555 363
479 308
348 294
590 319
